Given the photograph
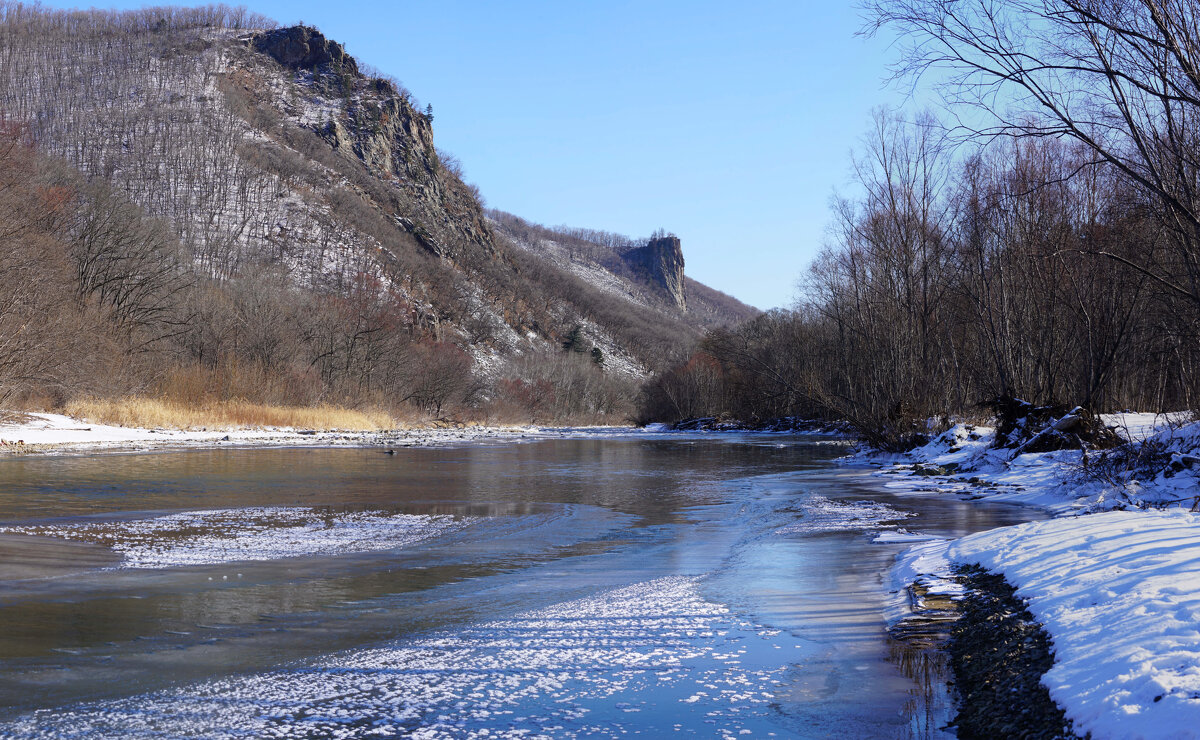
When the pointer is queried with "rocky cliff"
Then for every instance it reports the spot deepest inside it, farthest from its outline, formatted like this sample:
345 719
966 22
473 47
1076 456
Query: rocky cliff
301 46
373 121
660 264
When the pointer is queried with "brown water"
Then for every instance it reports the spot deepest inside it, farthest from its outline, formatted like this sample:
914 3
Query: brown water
642 584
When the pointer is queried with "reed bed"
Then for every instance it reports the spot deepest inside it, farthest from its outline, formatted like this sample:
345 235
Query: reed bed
139 411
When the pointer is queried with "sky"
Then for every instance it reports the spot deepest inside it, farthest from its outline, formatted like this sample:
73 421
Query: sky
729 124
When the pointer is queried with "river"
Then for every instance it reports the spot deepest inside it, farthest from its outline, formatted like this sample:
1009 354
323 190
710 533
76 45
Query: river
708 585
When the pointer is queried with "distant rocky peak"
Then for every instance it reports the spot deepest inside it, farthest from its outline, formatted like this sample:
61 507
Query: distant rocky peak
302 47
660 264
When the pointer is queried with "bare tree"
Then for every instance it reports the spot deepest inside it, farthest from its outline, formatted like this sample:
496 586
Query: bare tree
46 339
131 264
1122 77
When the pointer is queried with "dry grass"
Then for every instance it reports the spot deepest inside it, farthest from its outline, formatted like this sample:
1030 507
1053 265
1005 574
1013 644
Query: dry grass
157 413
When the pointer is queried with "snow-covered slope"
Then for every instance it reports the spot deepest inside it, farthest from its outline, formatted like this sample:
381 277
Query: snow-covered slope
1160 467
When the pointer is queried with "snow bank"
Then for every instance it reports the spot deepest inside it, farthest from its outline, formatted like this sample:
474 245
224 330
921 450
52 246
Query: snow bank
1175 452
1117 591
1160 466
1136 427
49 433
1119 594
56 429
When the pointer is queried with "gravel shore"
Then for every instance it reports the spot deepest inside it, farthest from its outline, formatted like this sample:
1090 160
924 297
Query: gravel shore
998 654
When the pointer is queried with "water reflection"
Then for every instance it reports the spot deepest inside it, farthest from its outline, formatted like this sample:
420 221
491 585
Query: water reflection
928 669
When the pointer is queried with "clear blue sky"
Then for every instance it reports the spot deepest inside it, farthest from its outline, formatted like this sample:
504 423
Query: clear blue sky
728 123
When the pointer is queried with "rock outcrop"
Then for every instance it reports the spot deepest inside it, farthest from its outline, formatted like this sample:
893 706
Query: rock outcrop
378 125
660 265
304 47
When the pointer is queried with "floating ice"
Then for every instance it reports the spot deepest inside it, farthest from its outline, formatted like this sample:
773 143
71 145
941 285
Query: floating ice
903 535
263 533
820 514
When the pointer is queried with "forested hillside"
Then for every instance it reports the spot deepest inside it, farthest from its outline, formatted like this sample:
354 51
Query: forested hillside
209 207
1049 251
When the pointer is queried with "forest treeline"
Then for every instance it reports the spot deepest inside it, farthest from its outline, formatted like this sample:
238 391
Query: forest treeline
1046 246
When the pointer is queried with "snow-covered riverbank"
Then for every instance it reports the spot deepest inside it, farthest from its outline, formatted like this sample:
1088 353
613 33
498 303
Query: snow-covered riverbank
59 434
1161 467
1114 579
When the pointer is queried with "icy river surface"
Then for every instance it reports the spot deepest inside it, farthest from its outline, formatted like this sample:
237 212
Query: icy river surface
621 584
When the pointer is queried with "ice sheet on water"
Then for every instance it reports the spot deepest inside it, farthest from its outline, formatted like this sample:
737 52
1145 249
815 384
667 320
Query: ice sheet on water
214 536
903 535
820 514
654 652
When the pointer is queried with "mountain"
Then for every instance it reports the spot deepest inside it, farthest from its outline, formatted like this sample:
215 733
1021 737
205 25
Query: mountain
292 175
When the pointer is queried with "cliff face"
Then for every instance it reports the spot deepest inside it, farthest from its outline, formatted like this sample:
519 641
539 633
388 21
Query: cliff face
660 263
300 46
373 122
